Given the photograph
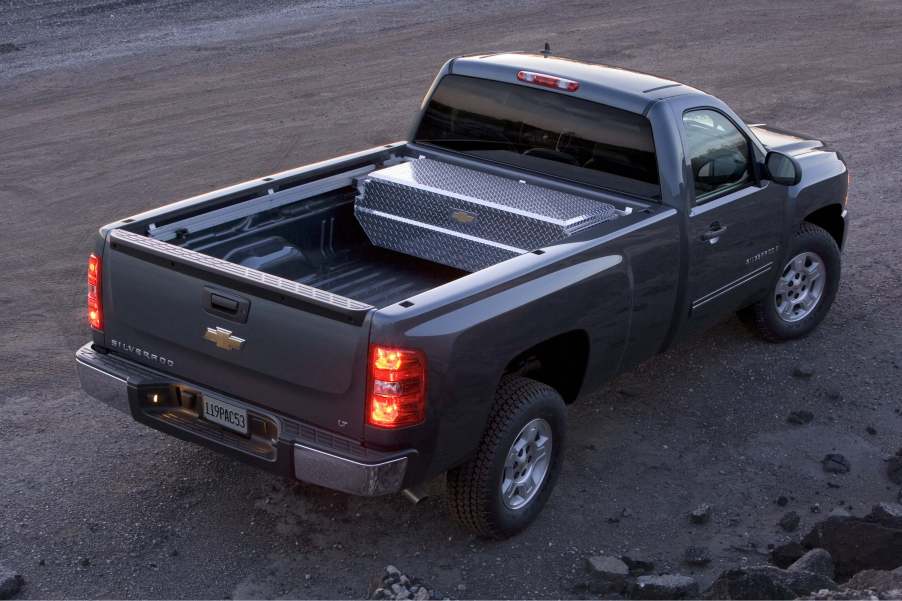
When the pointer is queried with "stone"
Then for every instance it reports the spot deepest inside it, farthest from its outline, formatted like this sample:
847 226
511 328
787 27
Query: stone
785 555
7 47
11 582
698 556
665 586
800 418
701 514
817 561
888 514
422 594
782 501
744 584
393 571
894 469
871 430
803 372
790 521
638 567
878 580
857 544
834 463
606 574
766 582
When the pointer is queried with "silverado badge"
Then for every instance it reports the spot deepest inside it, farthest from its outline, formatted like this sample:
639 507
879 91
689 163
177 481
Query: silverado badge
223 339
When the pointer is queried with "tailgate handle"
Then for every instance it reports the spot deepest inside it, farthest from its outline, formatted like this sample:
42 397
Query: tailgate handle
223 304
233 308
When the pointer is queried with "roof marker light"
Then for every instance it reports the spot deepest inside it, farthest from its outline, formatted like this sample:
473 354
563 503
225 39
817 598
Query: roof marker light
549 81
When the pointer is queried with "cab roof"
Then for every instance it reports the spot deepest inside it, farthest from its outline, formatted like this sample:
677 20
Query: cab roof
621 88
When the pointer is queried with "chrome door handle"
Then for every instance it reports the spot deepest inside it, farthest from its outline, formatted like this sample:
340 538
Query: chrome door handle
714 233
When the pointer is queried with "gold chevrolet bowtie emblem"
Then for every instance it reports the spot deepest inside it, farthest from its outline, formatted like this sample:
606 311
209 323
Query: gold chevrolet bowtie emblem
223 339
461 216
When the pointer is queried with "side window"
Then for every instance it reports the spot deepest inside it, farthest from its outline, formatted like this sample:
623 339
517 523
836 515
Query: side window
719 153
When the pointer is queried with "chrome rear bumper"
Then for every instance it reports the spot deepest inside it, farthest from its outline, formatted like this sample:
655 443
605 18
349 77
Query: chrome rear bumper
106 378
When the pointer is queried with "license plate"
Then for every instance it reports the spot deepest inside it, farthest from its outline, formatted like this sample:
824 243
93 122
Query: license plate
225 414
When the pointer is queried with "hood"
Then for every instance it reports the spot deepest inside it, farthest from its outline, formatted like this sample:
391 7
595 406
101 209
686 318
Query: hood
784 141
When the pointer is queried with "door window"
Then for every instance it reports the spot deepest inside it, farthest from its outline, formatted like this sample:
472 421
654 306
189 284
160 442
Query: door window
718 152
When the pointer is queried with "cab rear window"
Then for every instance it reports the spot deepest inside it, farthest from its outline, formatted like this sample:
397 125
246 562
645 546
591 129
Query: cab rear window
543 131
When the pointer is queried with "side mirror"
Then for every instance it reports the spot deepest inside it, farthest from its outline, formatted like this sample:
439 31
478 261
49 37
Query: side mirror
782 169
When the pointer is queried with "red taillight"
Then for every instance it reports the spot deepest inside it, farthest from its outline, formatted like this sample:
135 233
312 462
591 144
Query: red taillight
95 310
396 395
549 81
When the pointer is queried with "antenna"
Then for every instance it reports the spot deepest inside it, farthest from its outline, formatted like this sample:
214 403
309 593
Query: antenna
547 52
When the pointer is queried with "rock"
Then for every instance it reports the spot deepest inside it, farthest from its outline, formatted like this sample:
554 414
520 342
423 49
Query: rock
857 544
834 463
782 501
894 469
800 418
784 556
421 594
871 430
10 582
816 561
638 567
816 508
888 514
701 514
392 571
745 584
877 580
7 47
790 521
766 582
665 586
394 585
84 562
606 574
698 556
803 372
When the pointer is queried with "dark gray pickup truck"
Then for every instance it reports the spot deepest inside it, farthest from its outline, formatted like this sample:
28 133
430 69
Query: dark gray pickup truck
426 307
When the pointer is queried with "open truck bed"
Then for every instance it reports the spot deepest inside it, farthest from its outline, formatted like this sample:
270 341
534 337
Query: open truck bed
312 234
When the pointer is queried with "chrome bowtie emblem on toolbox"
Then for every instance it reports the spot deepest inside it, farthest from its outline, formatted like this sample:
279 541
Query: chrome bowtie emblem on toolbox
223 339
461 216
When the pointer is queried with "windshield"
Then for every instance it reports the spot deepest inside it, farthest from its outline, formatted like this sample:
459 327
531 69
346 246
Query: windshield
543 131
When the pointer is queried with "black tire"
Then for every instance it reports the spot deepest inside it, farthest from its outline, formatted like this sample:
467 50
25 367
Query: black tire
474 488
764 317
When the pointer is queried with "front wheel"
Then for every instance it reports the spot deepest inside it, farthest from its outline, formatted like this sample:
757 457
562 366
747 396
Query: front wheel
504 486
803 291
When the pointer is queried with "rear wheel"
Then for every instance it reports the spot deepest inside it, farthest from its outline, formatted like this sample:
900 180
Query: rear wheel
504 486
804 289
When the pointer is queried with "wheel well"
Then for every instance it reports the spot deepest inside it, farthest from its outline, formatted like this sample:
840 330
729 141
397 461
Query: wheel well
829 218
559 362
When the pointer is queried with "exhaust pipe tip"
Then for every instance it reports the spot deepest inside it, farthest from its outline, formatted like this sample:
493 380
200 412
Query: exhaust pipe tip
415 494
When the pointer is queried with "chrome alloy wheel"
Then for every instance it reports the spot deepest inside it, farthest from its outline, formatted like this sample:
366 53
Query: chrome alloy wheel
527 464
800 287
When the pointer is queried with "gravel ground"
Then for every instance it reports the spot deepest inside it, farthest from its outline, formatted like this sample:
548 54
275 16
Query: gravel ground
108 108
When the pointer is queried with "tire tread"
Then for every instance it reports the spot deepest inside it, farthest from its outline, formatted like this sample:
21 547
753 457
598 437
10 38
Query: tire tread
469 487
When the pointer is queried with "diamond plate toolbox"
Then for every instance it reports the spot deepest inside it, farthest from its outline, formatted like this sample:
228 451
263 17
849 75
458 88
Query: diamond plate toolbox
466 218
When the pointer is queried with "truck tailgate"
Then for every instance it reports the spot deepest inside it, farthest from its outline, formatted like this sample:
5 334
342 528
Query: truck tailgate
271 342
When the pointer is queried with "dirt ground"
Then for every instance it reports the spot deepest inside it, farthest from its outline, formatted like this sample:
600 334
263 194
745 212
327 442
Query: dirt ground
109 108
